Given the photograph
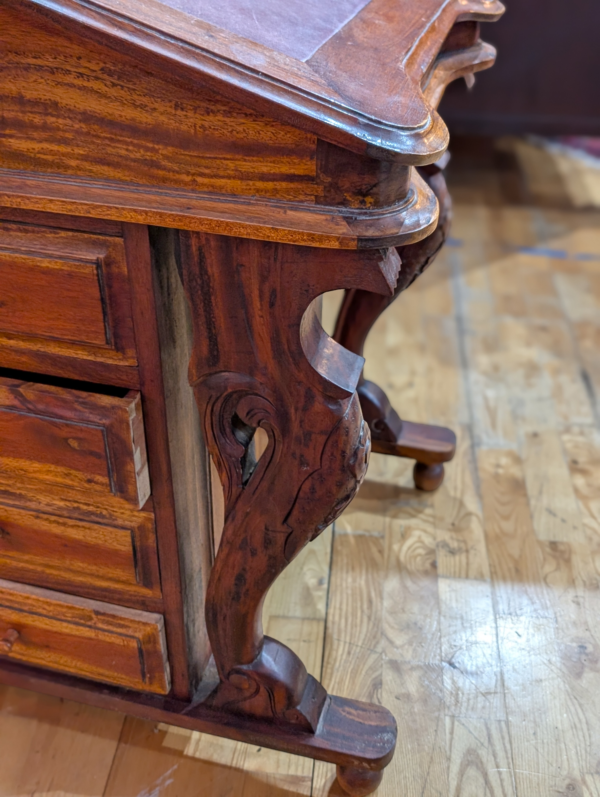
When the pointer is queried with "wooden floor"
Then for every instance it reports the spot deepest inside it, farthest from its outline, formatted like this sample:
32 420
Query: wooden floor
472 613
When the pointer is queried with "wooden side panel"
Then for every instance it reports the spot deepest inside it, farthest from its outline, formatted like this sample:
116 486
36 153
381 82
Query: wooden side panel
71 439
189 456
71 107
64 293
81 637
109 556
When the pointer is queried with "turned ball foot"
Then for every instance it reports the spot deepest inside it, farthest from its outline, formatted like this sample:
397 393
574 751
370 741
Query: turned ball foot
428 477
358 782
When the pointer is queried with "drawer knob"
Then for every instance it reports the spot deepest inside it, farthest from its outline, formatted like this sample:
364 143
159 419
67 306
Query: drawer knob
8 640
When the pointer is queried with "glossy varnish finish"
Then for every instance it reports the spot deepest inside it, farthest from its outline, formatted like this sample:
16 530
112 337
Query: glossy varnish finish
59 437
474 626
190 121
147 115
272 366
65 296
151 129
90 639
106 552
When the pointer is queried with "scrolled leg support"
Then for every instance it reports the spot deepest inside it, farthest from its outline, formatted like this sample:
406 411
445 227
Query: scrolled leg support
429 445
261 360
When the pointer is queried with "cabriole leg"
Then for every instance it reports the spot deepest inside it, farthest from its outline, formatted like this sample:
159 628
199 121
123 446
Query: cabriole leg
430 446
261 360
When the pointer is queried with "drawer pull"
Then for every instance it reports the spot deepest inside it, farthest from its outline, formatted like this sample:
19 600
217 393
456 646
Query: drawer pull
8 640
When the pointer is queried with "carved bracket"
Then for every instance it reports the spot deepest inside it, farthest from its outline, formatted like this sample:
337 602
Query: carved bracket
262 360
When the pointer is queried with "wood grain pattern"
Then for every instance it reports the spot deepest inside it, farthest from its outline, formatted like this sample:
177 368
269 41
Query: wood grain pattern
107 554
324 96
430 446
247 376
59 437
55 746
262 218
85 638
437 559
64 294
186 130
61 111
146 324
188 454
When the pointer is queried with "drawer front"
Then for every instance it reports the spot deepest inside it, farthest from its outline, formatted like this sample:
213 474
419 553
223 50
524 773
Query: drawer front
72 439
85 638
111 558
65 292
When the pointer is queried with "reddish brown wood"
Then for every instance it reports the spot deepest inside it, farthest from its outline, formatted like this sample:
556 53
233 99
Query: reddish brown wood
358 782
192 120
62 222
137 113
261 359
65 293
351 734
62 438
105 552
85 638
429 445
8 640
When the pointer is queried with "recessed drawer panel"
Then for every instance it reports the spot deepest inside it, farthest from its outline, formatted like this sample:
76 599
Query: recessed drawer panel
86 638
77 550
65 292
73 439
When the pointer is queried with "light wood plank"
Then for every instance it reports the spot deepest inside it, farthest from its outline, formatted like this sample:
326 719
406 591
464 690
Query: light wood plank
53 747
554 508
480 758
460 540
515 558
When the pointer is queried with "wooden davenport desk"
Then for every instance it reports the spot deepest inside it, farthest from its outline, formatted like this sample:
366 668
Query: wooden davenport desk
179 183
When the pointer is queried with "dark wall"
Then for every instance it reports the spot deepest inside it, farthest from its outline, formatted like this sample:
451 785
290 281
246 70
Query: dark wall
547 76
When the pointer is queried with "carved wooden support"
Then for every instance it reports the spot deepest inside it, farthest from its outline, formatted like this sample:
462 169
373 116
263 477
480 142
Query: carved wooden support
262 359
429 445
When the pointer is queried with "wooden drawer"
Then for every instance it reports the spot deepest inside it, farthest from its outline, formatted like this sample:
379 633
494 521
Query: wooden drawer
109 556
86 638
73 439
66 293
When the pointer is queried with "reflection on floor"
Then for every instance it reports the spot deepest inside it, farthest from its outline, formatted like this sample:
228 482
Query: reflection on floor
472 613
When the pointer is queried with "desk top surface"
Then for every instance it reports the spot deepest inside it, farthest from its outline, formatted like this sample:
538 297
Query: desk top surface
294 28
350 71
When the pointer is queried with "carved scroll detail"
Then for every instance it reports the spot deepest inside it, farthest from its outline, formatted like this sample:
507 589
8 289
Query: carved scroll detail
429 445
261 359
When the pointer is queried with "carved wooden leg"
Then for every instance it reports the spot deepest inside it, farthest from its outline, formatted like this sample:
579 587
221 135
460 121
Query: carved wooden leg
431 446
261 359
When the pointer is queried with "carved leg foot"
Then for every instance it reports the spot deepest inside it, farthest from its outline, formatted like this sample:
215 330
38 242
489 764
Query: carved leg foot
429 445
261 359
428 477
358 782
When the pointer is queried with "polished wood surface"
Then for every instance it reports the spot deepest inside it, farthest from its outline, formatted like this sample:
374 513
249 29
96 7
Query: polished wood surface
295 29
65 296
61 437
84 638
430 446
105 552
268 166
272 366
474 620
193 117
151 129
